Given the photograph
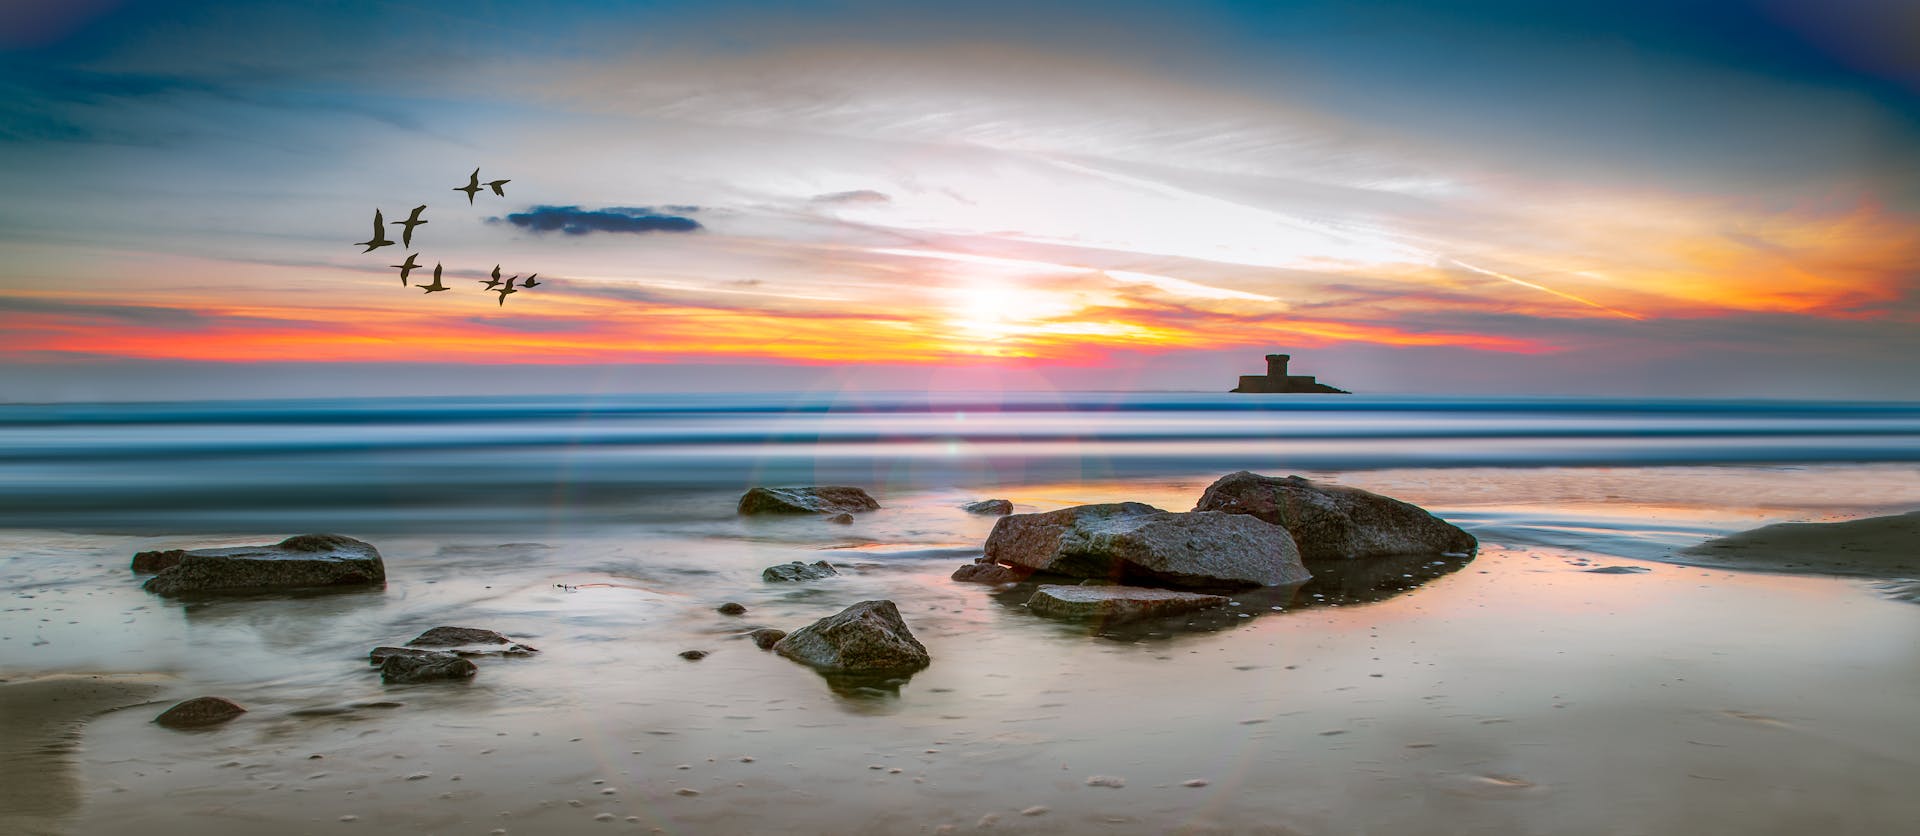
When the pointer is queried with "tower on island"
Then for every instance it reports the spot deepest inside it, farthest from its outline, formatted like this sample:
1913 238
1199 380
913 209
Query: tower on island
1277 382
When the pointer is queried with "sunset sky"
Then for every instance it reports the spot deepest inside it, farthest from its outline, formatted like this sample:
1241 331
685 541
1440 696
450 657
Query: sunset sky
1679 197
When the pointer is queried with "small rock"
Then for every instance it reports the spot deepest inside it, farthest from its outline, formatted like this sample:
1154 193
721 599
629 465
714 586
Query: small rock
990 573
693 655
1194 782
796 571
866 637
989 507
841 519
1116 603
731 608
1035 810
1109 781
686 791
147 563
428 667
199 711
821 499
766 637
1617 570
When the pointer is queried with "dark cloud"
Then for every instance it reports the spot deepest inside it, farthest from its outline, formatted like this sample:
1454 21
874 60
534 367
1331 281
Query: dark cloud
855 196
574 220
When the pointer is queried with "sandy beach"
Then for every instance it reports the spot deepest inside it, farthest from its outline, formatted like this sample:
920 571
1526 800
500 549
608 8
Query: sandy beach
1534 689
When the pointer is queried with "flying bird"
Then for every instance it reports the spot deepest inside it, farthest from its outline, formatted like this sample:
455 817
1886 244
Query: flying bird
436 287
473 185
496 184
406 267
413 220
495 281
530 281
503 291
379 238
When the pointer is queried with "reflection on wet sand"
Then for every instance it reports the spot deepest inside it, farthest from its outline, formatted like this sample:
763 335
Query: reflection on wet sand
1335 583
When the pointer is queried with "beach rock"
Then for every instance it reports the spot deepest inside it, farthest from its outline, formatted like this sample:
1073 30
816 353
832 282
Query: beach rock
302 562
147 563
1116 603
198 712
841 519
989 507
471 641
693 655
820 499
766 637
1334 522
796 571
992 573
731 608
1129 541
378 655
427 666
866 637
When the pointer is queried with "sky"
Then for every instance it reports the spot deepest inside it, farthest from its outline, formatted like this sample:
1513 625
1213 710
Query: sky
1694 198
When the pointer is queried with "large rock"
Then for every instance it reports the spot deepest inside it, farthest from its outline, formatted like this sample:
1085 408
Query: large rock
796 572
819 499
198 712
428 666
1129 541
303 562
1335 522
868 637
1116 603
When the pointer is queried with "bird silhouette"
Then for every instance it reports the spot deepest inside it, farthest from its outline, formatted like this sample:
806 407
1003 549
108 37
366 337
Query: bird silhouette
413 220
496 184
436 287
530 281
379 238
495 281
473 185
406 267
503 291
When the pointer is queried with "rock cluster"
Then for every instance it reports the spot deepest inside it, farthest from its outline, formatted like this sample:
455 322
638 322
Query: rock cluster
443 653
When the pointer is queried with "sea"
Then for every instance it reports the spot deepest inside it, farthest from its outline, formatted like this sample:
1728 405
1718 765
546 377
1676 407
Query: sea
1571 677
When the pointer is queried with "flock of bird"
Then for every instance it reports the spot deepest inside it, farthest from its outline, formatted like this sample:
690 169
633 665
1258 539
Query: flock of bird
406 268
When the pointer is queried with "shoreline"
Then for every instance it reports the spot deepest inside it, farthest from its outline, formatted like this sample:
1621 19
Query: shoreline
45 717
1872 547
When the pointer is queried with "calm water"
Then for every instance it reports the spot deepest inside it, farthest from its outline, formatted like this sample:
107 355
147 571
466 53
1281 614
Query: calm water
368 464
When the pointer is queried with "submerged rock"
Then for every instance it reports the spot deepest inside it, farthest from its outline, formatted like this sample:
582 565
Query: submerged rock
378 655
302 562
992 573
1116 603
147 563
693 655
731 608
796 571
841 519
1131 541
819 499
1336 522
766 637
199 711
867 637
471 641
989 507
425 666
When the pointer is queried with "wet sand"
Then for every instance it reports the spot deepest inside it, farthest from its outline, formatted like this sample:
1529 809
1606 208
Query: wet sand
1521 692
1876 547
40 724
